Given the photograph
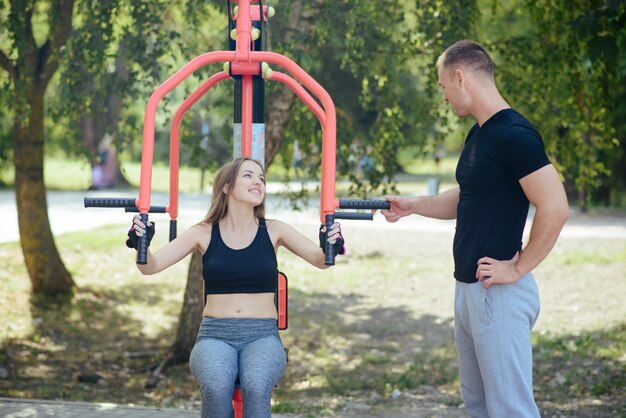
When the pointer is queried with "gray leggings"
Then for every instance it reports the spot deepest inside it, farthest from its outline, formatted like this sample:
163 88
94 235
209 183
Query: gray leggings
230 348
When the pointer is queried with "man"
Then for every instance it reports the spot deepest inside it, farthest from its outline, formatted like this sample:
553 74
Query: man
502 168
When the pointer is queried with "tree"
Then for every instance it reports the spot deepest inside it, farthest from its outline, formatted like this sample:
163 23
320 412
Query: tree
562 67
376 61
103 73
30 65
86 41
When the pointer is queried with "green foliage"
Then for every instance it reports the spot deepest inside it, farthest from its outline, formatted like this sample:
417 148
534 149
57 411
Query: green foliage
562 64
377 63
118 53
103 68
5 141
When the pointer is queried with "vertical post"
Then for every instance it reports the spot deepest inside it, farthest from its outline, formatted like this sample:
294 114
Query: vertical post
246 116
249 110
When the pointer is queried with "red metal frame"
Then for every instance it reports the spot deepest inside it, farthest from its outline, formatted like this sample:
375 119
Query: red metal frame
245 63
242 62
328 201
175 136
302 95
197 95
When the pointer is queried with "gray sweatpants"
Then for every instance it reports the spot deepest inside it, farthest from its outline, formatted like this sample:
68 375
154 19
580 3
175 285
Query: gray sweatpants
230 348
492 332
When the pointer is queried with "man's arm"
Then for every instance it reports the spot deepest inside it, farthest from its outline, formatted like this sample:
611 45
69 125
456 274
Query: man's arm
544 190
441 206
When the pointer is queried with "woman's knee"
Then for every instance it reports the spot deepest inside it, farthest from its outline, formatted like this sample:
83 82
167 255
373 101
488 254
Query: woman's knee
258 383
259 373
214 392
213 365
264 353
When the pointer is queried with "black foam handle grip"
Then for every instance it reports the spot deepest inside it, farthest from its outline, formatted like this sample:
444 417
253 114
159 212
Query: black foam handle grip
142 245
173 228
153 209
362 216
363 204
329 259
109 202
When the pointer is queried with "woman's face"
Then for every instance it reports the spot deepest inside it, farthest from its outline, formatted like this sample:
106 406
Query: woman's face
249 184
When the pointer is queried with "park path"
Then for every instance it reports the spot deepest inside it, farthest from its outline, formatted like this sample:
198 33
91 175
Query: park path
67 214
29 408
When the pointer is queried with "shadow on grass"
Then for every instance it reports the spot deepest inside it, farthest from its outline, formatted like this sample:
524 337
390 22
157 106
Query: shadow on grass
341 349
582 375
338 349
91 350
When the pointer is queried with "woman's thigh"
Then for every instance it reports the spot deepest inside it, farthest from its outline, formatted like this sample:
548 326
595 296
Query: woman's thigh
262 362
214 363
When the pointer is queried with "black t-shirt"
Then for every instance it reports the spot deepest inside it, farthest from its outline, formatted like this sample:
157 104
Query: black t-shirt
492 209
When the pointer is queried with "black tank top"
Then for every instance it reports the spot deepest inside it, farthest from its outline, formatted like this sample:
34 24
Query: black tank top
249 270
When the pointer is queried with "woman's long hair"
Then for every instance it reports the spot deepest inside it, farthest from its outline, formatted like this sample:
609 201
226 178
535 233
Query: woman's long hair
226 177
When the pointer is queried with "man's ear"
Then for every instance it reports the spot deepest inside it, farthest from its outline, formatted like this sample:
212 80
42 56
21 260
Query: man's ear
459 77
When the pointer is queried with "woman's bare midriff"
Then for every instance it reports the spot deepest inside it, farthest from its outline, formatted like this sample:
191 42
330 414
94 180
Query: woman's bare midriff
241 305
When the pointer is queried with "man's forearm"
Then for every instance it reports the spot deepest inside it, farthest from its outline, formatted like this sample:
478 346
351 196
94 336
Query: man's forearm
441 206
543 235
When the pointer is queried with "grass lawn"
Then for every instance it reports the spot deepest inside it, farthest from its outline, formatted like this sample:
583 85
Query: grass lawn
379 321
67 174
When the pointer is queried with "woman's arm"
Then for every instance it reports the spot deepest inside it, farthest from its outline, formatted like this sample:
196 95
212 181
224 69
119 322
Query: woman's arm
176 250
286 236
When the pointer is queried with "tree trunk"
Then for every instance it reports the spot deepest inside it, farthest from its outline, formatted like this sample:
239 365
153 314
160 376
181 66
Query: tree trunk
280 103
191 313
277 116
30 77
48 274
188 323
100 128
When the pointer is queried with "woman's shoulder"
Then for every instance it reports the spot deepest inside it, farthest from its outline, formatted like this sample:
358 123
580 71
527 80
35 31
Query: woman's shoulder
201 227
280 229
276 227
200 233
274 223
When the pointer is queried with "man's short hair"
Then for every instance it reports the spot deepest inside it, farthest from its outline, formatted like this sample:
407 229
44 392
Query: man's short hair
467 54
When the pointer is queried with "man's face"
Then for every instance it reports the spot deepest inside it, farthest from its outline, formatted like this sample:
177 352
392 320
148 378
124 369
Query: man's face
454 94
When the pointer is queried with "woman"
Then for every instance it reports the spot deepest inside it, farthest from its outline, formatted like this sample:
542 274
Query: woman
238 337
